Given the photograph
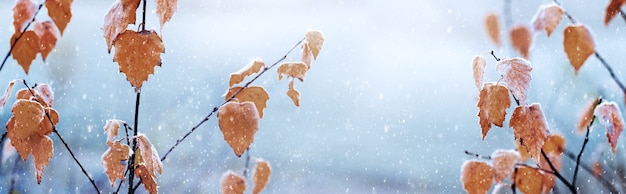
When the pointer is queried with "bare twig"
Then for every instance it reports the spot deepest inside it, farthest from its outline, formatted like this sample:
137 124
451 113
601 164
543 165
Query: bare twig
20 36
557 174
621 13
606 183
477 155
131 165
585 141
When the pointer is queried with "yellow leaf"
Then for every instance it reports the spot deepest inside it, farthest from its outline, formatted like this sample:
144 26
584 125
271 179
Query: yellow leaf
493 28
578 45
504 163
114 161
530 128
23 12
137 54
516 73
521 39
547 18
612 9
48 35
254 94
315 41
261 175
492 104
292 69
147 179
528 180
232 183
117 19
293 94
238 123
60 11
253 67
165 10
610 116
150 155
26 49
476 176
7 93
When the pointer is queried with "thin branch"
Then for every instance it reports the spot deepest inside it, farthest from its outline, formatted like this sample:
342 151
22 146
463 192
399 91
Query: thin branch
606 183
621 13
494 56
131 165
215 109
580 154
477 155
20 36
557 174
54 129
245 171
143 18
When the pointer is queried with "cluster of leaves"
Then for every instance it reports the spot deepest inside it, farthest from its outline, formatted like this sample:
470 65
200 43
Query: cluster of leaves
25 44
234 183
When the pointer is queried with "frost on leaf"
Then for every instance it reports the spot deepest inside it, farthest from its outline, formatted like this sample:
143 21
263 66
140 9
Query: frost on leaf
23 12
476 176
306 55
44 94
315 41
547 18
238 122
111 128
504 163
60 11
48 35
253 67
521 39
492 104
7 93
578 45
528 180
261 175
586 116
232 183
493 28
25 49
530 128
478 67
612 9
149 155
293 94
120 15
611 117
516 73
147 179
165 10
292 69
254 94
137 53
114 161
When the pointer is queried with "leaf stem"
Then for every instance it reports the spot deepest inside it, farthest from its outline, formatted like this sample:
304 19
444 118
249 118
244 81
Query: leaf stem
20 36
143 19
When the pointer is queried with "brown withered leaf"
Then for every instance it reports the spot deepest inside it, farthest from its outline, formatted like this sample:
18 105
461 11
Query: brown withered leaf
315 41
60 11
147 179
610 116
253 67
306 55
25 49
612 9
478 67
578 45
44 94
516 73
7 93
597 169
549 178
137 54
292 69
48 35
149 155
586 115
27 116
261 175
111 128
120 15
528 180
521 39
293 93
492 104
23 12
254 94
42 150
530 128
504 163
232 183
238 122
492 26
554 144
165 10
476 176
547 18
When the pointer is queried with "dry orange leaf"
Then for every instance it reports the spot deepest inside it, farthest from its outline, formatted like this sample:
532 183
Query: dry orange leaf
493 28
293 94
44 94
523 152
253 67
149 155
612 9
23 93
315 41
238 122
254 94
476 176
261 175
60 11
611 117
27 116
516 73
47 33
504 163
597 169
578 45
42 150
521 39
114 160
530 128
46 128
547 18
554 144
137 53
26 49
7 93
120 15
23 12
292 69
528 180
306 55
232 183
478 67
147 179
586 116
492 104
111 128
165 9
